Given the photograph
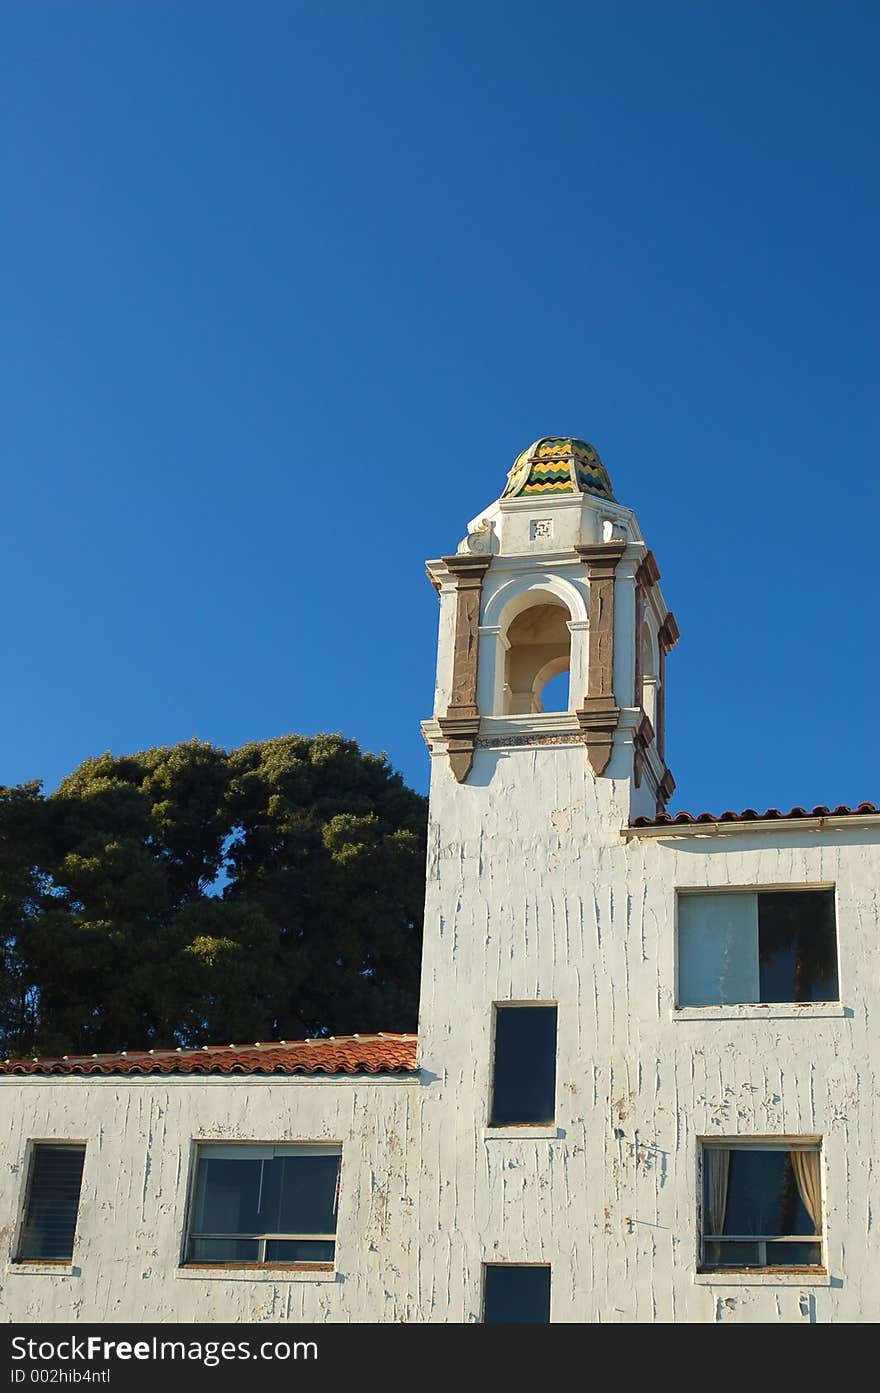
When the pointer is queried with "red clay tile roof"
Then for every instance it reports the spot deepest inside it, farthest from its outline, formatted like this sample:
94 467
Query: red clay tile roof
342 1054
749 815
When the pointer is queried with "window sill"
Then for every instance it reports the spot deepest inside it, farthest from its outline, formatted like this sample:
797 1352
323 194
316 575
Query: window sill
530 1131
258 1272
47 1268
760 1011
764 1277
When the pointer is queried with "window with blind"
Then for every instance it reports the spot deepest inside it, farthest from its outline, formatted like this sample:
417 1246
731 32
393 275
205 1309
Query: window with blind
264 1205
52 1205
762 1204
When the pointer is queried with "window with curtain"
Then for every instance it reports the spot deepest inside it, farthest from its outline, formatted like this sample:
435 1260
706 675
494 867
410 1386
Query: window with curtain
756 946
762 1204
264 1205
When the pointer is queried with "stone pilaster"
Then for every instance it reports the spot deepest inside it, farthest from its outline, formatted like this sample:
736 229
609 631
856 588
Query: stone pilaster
599 714
461 722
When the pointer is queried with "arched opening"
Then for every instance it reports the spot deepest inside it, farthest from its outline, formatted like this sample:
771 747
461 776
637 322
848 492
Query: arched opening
650 663
538 658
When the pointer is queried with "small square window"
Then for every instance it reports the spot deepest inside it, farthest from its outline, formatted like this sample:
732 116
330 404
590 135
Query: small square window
524 1073
762 1205
52 1206
756 946
264 1205
515 1295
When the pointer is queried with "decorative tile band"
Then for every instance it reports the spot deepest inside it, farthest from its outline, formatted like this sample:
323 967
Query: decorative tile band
503 741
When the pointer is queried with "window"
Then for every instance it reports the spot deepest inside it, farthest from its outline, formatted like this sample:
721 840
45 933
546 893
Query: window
52 1202
762 1204
764 946
264 1204
524 1078
516 1295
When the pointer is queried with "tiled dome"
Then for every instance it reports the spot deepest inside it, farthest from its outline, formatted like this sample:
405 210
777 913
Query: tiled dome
558 464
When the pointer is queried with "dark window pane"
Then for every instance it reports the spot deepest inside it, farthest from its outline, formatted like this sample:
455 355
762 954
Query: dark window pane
308 1194
227 1196
797 945
517 1296
223 1250
762 1195
524 1084
299 1250
53 1201
794 1255
733 1254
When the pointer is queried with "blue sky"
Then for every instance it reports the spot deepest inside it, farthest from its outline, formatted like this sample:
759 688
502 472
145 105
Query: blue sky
291 284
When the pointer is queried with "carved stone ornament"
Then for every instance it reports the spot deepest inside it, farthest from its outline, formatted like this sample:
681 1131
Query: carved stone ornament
461 735
481 542
598 717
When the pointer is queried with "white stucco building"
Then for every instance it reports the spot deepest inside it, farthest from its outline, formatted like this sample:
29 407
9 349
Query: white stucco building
644 1084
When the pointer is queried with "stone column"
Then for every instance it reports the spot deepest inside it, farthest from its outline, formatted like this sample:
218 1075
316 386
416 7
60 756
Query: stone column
647 576
462 720
599 714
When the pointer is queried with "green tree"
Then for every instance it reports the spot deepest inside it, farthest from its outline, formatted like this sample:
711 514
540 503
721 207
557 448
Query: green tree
185 894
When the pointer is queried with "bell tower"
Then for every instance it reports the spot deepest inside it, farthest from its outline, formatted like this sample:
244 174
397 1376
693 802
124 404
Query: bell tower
554 577
553 587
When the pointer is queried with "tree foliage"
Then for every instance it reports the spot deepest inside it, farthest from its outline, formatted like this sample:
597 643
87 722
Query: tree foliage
188 894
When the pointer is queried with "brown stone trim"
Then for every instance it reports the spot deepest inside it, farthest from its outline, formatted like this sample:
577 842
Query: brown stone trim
601 561
641 740
462 719
461 735
660 711
599 713
640 623
647 576
668 633
598 717
601 558
468 566
648 573
665 791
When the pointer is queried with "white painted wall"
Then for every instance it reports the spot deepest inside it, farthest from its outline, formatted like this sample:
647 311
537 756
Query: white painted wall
534 895
139 1136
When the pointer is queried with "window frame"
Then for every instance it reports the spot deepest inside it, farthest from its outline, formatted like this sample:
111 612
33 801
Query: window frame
17 1261
204 1267
761 1273
518 1129
755 1009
